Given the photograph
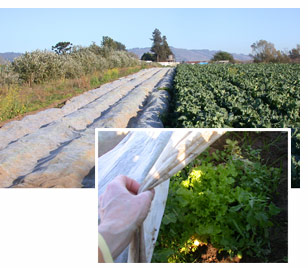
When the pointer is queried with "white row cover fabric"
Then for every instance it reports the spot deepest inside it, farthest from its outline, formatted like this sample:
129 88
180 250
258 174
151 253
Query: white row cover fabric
156 105
47 151
14 130
151 157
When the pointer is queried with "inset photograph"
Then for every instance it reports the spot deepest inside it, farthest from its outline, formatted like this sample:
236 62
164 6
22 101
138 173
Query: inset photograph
192 195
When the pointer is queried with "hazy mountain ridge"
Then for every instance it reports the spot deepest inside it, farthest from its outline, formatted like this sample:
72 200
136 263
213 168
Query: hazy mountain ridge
9 56
182 54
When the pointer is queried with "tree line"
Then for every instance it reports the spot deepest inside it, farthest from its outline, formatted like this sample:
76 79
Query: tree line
262 51
107 46
66 61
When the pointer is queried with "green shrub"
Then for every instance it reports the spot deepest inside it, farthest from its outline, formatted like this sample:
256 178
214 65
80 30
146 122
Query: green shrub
7 76
94 82
11 104
38 66
41 66
71 67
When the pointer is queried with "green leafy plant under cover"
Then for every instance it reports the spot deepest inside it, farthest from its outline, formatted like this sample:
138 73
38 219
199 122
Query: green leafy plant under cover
223 199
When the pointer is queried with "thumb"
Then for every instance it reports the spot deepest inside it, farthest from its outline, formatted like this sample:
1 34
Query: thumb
144 200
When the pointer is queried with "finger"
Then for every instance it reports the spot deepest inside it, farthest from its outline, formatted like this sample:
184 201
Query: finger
144 200
130 184
120 180
153 192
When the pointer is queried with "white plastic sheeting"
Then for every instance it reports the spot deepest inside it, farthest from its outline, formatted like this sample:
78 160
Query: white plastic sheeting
122 112
14 130
64 168
53 151
21 157
151 157
156 105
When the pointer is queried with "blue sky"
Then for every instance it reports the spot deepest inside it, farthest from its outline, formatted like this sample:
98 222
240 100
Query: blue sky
232 30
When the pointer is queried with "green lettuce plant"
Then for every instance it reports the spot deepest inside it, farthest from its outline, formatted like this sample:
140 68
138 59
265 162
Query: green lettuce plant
221 198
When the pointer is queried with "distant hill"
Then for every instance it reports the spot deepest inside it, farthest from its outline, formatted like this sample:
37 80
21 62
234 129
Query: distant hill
9 56
182 54
2 60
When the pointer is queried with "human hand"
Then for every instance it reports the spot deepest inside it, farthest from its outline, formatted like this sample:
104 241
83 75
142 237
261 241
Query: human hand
122 211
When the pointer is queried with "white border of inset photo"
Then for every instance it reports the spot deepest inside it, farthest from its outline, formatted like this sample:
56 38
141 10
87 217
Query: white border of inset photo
196 129
288 130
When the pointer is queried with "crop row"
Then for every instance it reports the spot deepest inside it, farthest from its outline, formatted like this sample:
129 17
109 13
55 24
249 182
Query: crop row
221 200
240 96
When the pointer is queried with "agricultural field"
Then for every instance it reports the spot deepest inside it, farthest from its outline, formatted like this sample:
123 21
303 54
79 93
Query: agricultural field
43 79
229 204
62 137
239 96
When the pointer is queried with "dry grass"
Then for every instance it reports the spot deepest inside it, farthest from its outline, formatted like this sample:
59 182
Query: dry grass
21 100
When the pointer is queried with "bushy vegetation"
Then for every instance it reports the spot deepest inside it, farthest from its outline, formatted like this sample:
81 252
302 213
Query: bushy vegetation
148 56
264 51
222 55
18 100
7 75
41 66
223 198
37 79
239 95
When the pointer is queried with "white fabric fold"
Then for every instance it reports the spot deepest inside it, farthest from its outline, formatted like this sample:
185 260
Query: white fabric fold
152 157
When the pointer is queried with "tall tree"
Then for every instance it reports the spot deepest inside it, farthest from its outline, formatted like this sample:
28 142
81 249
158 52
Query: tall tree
294 54
166 51
96 49
157 41
263 51
160 46
109 43
282 57
120 46
62 47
